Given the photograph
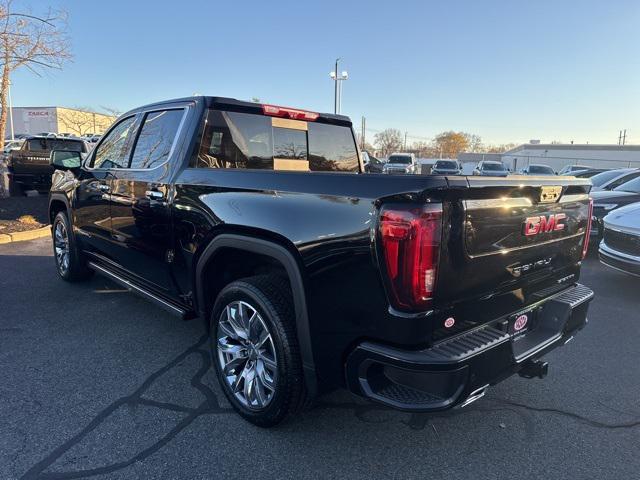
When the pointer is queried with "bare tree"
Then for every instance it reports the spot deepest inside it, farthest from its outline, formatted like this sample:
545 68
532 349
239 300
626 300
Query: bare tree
388 141
114 112
36 42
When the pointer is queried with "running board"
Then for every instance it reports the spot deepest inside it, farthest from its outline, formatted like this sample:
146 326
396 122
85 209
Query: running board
132 287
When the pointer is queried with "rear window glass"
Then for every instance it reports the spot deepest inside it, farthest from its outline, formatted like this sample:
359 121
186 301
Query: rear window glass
540 169
631 186
242 140
602 178
289 143
44 144
406 159
446 164
492 166
331 148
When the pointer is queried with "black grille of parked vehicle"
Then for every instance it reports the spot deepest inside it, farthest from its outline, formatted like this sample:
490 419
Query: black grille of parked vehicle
622 242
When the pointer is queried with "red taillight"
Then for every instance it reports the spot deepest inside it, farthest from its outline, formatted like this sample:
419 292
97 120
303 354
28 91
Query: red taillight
292 113
587 234
410 244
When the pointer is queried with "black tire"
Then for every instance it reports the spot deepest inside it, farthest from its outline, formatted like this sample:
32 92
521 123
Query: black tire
15 189
270 297
75 270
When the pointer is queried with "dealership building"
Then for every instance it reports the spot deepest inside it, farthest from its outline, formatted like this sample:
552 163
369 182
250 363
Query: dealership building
558 156
35 120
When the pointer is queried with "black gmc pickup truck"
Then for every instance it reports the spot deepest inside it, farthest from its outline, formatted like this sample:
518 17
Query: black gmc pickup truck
418 292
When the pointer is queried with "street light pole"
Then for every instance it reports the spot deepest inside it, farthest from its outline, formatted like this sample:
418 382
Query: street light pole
335 95
338 77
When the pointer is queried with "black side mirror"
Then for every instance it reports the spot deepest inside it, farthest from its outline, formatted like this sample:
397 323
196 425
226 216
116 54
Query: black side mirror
65 160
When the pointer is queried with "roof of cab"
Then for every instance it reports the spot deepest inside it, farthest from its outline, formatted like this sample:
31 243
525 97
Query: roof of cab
239 105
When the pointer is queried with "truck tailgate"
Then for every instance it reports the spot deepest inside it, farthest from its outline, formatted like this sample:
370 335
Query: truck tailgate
36 163
517 233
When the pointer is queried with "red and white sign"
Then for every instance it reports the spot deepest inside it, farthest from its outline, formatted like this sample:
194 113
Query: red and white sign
520 323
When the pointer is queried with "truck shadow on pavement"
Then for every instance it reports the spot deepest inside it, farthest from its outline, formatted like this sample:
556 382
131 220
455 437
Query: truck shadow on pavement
362 411
204 399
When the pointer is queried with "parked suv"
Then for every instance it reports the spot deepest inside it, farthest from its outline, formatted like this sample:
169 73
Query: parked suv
490 168
400 163
29 167
418 292
446 167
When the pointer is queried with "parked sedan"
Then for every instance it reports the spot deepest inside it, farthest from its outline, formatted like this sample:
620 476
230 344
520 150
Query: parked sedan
590 172
491 168
371 163
446 167
537 169
613 178
571 169
620 246
606 201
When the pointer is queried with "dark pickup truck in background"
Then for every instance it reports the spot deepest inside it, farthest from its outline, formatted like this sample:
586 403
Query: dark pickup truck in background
418 292
29 167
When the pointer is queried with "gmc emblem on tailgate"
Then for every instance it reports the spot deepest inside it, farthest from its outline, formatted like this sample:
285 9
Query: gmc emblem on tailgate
543 224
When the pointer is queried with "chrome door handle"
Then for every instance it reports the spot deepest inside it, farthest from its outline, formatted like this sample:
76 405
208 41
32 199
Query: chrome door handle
154 195
103 187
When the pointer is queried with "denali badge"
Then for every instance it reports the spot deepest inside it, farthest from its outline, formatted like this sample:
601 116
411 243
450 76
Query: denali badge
543 224
550 194
518 269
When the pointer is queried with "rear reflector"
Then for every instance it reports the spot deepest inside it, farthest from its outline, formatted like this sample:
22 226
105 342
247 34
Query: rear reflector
292 113
410 240
585 245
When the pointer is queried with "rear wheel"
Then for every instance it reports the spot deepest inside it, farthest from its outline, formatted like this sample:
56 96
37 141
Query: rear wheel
255 349
70 261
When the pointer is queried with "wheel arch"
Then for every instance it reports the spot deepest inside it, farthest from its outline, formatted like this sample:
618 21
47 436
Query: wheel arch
291 268
57 204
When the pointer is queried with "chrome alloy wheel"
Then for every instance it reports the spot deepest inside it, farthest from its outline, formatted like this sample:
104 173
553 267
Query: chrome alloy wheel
61 247
247 355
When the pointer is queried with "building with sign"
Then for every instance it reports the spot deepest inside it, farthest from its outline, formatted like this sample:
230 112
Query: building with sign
37 120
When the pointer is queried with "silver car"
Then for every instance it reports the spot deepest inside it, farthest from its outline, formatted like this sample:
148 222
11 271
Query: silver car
620 245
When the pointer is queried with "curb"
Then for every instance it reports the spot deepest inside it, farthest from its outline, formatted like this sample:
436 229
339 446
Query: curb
27 235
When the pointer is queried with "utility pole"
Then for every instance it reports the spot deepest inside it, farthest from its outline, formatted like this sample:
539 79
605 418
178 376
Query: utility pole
405 141
11 112
362 140
624 137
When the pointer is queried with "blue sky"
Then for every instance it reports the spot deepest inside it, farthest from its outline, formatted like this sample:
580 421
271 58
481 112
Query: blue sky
508 71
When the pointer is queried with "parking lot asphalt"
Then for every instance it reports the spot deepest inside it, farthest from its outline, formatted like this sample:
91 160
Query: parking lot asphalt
96 382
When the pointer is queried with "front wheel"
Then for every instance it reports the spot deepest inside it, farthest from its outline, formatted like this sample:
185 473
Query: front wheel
70 261
255 349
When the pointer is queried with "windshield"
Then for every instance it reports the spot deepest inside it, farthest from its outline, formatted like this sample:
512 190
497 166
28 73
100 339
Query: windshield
406 159
448 164
632 186
540 169
602 178
494 167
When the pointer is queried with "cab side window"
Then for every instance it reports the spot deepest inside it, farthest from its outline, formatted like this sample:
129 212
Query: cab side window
156 138
111 151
